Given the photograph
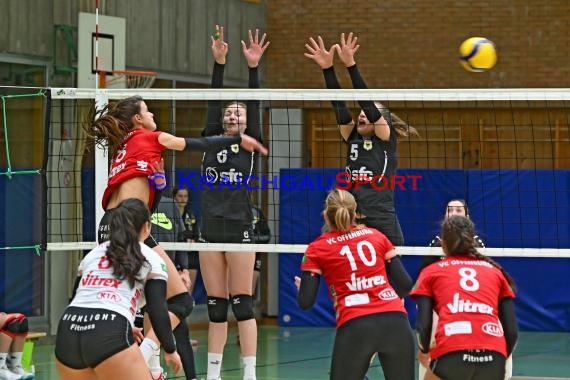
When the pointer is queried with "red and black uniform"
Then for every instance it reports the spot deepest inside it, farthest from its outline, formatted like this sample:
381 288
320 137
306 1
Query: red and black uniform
466 293
139 151
370 314
15 324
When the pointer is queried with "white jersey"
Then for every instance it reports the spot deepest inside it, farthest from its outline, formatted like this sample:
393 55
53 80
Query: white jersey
98 288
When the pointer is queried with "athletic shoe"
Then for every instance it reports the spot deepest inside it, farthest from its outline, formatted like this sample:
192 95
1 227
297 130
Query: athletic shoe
18 370
6 374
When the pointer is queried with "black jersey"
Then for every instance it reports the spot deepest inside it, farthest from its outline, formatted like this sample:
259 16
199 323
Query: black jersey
225 194
372 159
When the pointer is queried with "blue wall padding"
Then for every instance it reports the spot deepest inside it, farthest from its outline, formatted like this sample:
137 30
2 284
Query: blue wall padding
20 225
511 209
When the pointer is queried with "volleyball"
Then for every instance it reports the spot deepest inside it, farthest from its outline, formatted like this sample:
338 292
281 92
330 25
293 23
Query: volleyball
477 54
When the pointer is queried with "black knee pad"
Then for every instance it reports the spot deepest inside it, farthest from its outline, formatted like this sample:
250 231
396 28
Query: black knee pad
181 305
242 305
218 309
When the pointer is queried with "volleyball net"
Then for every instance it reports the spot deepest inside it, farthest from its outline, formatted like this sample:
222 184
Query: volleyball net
505 151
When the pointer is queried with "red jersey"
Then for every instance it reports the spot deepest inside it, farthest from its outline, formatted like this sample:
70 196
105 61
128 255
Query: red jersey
352 264
140 149
466 293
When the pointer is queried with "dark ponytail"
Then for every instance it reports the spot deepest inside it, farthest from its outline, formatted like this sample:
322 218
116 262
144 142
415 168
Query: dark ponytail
108 127
124 250
458 236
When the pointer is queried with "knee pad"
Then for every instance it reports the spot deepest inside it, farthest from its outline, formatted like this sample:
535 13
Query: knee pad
242 305
181 305
218 309
15 325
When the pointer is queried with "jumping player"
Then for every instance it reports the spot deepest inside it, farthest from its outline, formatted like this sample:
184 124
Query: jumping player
371 139
226 212
128 128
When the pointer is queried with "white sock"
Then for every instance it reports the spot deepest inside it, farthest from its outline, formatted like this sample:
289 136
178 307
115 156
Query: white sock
154 363
214 366
3 356
148 347
15 359
249 367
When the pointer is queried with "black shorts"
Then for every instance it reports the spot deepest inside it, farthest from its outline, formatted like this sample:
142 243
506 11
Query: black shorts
470 364
105 227
221 230
86 337
257 265
389 334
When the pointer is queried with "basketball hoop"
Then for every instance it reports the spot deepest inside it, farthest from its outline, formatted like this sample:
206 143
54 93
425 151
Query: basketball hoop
128 79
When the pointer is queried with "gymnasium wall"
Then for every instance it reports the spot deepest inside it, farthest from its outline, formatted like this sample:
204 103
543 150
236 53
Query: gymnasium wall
511 209
414 44
172 37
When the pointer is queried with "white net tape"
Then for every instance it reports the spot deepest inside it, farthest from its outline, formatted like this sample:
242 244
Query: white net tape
499 130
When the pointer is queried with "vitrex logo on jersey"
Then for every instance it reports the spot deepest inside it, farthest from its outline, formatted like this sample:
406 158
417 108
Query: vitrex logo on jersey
109 296
493 328
467 306
96 280
388 294
363 283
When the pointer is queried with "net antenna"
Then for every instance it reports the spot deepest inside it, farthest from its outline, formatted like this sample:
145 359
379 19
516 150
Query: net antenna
127 79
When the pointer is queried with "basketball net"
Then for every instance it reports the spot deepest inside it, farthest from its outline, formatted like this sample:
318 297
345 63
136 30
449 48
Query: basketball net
127 79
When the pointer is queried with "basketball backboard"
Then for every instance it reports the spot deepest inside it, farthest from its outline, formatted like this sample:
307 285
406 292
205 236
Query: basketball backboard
111 49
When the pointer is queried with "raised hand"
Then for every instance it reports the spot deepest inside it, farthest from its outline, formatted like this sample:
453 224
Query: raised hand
255 50
318 53
219 46
347 48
